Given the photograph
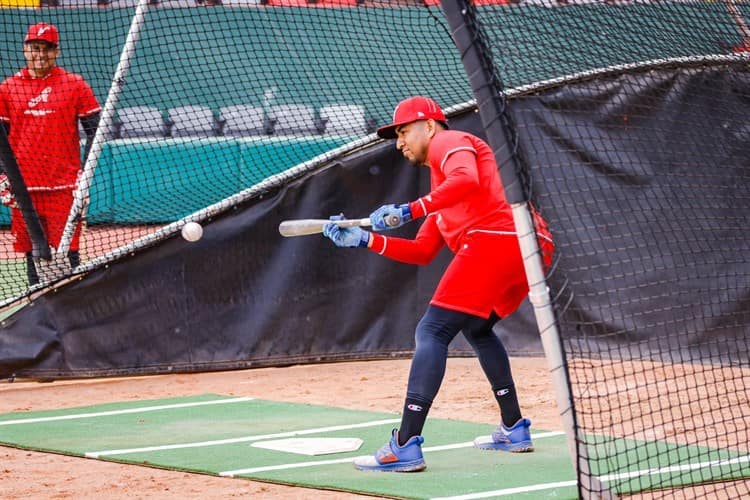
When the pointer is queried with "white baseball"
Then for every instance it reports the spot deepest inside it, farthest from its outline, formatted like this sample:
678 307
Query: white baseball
192 231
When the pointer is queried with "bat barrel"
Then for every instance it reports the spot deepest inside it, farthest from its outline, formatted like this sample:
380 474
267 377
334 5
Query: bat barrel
302 227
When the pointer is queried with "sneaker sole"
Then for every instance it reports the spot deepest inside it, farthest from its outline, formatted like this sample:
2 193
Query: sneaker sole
486 443
523 449
415 466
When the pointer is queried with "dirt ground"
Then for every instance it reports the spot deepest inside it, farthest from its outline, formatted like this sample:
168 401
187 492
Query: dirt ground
367 385
371 385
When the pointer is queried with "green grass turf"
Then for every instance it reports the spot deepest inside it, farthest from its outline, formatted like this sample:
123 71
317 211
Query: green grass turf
13 282
216 439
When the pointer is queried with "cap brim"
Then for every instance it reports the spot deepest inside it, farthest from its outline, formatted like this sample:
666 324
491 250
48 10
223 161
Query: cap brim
387 132
32 39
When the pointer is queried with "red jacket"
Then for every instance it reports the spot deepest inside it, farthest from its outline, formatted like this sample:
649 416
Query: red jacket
466 196
43 114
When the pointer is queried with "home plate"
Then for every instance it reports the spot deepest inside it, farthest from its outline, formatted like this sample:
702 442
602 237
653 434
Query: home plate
311 446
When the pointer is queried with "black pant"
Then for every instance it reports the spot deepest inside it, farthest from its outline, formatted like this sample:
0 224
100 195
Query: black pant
435 331
74 257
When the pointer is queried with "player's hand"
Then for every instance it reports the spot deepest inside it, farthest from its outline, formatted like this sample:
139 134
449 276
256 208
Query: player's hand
345 236
390 217
6 197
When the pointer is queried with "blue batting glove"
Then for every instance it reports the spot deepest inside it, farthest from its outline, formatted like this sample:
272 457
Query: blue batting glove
390 217
345 236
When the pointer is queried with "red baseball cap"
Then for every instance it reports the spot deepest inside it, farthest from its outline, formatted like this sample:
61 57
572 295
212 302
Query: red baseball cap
411 110
43 32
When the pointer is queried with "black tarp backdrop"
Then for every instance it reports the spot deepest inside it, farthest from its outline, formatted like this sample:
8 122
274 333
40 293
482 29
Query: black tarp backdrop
244 296
647 189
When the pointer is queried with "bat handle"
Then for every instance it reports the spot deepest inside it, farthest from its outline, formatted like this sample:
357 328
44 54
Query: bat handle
352 222
393 220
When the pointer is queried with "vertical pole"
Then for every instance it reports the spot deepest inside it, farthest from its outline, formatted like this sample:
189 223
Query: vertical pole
81 195
589 486
40 246
492 105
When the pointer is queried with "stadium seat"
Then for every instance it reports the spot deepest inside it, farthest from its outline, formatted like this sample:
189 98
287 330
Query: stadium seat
193 121
313 3
486 2
139 121
295 119
286 3
345 119
242 120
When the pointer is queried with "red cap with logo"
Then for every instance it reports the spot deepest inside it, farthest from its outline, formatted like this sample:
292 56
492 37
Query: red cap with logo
411 110
43 32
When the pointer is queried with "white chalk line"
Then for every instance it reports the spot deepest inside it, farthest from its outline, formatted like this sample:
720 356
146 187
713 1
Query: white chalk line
142 409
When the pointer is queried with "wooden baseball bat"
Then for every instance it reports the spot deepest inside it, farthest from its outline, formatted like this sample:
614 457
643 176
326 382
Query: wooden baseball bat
301 227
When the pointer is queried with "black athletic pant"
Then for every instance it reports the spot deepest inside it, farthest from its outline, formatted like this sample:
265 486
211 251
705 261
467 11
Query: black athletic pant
73 256
434 333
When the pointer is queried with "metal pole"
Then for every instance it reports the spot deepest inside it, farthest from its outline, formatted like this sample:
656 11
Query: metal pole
81 195
539 297
492 106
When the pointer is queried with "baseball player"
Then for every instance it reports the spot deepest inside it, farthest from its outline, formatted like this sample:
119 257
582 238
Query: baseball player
466 210
40 107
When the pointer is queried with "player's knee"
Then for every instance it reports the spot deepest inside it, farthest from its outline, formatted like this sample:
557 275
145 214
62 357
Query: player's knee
431 332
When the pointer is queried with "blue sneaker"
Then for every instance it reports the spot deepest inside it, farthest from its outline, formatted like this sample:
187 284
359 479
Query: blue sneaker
394 458
517 439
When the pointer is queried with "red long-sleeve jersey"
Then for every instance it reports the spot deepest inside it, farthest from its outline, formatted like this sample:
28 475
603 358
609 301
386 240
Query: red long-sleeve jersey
467 210
43 114
466 195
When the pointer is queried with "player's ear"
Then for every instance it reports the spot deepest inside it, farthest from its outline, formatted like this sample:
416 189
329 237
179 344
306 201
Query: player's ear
431 127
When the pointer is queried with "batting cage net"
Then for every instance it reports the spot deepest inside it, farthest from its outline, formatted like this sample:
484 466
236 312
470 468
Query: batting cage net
628 128
633 142
203 105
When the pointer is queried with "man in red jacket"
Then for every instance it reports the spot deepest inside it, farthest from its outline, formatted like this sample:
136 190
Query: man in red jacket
466 210
40 107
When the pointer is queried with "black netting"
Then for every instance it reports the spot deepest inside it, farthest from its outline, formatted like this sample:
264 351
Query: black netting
627 122
218 103
632 130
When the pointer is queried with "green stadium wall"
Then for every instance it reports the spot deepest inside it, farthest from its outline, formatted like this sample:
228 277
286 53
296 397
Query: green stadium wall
283 39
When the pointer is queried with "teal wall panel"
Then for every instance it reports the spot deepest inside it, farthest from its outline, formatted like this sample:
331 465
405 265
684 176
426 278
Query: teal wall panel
261 159
165 180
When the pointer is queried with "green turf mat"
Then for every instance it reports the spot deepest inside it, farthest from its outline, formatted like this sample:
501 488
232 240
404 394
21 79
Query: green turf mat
661 464
213 434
